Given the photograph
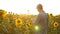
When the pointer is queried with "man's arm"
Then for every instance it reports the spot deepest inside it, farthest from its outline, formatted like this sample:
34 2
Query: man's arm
38 19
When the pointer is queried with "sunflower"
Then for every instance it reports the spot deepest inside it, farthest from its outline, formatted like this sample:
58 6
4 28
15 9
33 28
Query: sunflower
2 13
29 24
56 24
19 22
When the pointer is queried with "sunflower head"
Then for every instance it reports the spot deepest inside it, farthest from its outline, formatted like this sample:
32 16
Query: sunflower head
2 13
29 24
56 24
19 22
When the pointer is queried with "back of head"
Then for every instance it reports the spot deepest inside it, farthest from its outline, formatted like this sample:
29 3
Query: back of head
39 7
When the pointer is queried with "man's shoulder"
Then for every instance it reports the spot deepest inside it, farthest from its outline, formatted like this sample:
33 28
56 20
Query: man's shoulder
42 13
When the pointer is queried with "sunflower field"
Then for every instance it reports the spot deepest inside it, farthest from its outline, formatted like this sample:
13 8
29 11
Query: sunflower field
11 23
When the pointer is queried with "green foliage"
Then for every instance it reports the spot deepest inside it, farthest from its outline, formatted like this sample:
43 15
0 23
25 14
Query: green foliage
7 24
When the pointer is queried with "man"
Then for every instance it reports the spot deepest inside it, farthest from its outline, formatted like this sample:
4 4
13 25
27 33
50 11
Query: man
42 20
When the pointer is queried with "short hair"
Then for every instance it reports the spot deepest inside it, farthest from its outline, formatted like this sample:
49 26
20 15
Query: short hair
40 6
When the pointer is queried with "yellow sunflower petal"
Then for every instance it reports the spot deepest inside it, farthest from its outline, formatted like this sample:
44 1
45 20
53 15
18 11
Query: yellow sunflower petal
19 22
56 24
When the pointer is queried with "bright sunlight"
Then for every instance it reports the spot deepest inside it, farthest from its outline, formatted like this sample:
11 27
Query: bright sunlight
21 6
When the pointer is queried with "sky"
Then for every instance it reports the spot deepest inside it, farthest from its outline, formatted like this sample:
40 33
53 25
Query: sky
21 6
